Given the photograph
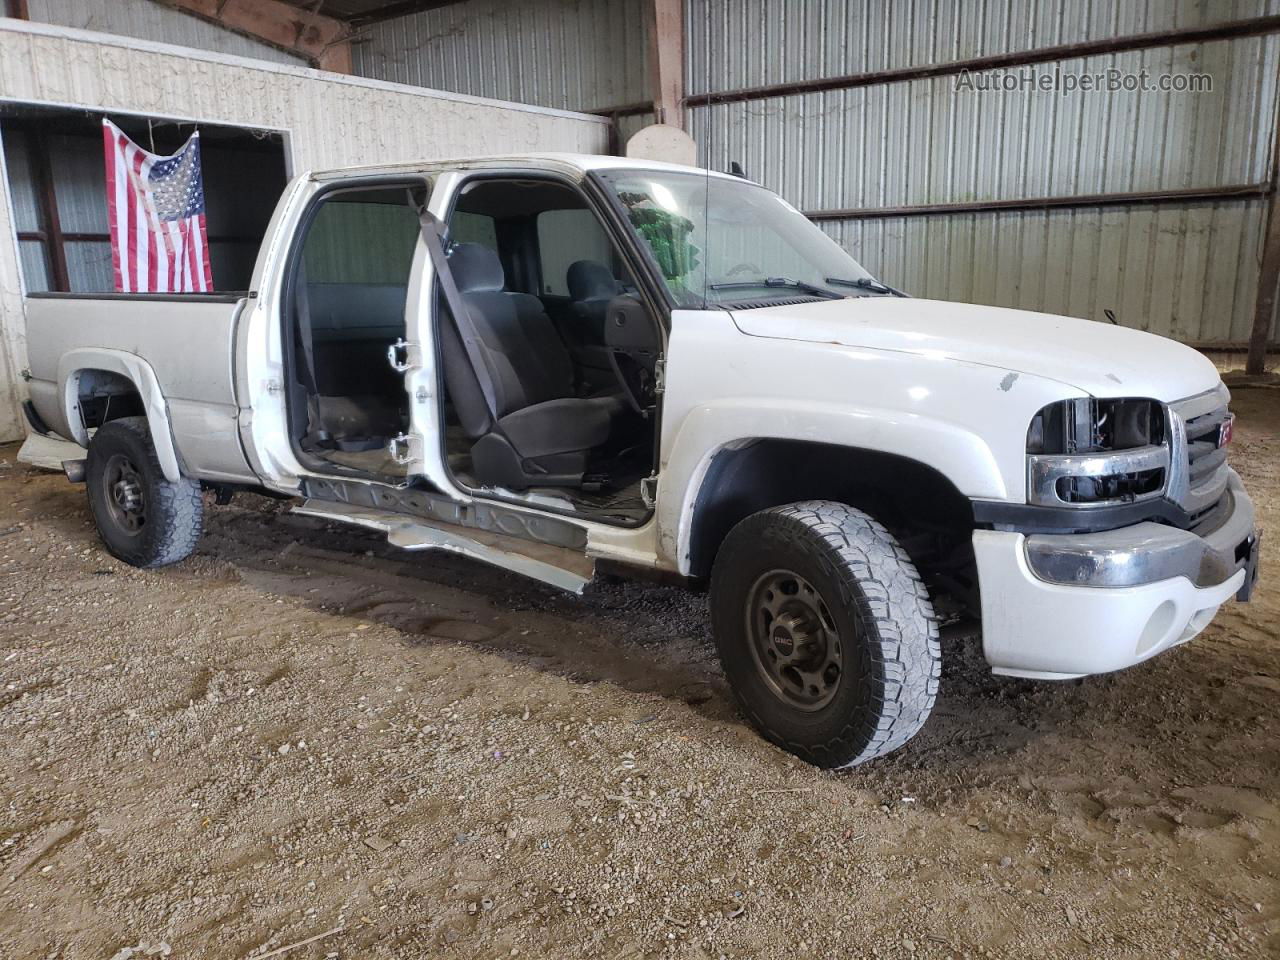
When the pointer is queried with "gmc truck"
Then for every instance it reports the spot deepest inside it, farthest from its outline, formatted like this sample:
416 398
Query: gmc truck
569 366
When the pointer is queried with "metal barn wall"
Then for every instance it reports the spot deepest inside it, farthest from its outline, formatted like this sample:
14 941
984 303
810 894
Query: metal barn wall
756 42
1186 270
147 20
328 121
571 54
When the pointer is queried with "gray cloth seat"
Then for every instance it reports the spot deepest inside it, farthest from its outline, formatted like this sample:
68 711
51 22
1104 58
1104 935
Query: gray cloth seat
539 433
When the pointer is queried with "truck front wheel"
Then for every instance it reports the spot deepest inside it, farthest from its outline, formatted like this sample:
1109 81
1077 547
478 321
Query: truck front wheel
144 519
825 632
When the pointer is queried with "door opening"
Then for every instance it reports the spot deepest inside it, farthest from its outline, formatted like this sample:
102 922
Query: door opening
347 307
554 400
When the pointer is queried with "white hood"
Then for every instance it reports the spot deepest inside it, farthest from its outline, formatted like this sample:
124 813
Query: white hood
1099 358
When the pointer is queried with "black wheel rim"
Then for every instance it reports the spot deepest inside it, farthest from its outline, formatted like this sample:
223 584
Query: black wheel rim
794 641
124 493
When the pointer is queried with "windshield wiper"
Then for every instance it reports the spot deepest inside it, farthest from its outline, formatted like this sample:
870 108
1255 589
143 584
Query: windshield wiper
780 282
866 283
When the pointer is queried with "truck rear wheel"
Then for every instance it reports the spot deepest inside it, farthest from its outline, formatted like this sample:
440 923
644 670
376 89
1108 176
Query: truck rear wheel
825 632
144 519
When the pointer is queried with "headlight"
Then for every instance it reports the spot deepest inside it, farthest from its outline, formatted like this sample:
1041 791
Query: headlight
1089 452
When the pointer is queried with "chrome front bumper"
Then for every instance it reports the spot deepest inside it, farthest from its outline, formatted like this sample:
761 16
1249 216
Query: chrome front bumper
1150 552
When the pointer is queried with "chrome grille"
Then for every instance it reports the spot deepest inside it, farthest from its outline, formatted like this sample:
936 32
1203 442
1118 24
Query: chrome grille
1198 467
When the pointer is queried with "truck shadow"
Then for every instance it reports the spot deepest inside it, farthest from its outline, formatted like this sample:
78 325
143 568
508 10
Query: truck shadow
644 638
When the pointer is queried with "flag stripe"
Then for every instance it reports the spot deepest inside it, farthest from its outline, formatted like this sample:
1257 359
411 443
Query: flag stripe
133 254
206 265
109 157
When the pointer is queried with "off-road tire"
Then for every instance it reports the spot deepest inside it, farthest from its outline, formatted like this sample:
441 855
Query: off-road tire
174 510
888 650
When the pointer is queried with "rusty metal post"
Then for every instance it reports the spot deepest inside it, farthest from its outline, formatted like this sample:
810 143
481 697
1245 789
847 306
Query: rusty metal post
1264 309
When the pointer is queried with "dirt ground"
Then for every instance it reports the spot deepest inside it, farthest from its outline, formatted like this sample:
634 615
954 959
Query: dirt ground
300 731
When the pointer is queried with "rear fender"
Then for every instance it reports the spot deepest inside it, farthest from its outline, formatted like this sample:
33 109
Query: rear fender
140 374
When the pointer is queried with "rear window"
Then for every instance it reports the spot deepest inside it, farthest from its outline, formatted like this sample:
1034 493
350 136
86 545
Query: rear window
473 228
565 237
353 242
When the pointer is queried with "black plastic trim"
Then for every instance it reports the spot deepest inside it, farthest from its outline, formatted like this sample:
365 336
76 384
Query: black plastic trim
33 418
1029 518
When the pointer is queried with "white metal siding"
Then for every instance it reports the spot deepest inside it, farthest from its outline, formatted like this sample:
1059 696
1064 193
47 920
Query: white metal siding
328 120
148 20
573 54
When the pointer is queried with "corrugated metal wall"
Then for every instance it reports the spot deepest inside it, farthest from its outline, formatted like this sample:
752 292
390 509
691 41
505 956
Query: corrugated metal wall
328 121
756 42
572 54
147 20
1186 270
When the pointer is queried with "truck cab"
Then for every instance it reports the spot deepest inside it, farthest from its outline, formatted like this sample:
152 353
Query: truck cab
564 365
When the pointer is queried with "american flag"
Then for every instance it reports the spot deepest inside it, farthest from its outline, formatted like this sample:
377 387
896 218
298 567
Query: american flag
155 206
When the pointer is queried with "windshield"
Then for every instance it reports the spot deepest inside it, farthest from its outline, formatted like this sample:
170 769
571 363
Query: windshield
719 241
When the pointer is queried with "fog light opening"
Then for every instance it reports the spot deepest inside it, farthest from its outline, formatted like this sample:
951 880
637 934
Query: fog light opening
1158 626
1198 622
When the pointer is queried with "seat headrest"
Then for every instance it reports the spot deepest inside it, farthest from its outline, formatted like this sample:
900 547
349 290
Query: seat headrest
475 268
590 280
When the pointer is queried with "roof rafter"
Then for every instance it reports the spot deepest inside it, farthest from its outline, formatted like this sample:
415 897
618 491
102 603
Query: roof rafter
321 39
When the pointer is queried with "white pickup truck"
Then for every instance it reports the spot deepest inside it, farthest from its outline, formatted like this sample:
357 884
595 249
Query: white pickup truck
568 365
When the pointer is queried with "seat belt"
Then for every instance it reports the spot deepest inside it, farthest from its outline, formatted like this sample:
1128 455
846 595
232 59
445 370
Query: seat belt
316 435
433 232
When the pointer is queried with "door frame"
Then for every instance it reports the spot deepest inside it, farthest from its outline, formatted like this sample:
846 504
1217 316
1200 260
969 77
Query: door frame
294 417
448 189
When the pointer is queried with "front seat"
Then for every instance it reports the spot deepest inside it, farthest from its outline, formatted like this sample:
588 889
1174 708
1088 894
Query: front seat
538 433
591 286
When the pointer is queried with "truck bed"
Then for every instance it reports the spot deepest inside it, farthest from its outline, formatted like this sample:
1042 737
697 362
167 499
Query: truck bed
187 341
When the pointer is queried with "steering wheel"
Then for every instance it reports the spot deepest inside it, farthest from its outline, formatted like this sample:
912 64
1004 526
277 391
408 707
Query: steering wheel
744 267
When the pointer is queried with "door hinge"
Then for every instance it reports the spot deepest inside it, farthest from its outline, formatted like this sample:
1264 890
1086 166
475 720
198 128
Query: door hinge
273 386
649 490
660 375
404 355
404 448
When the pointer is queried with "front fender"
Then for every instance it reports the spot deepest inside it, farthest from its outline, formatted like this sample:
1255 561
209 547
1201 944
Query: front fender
72 363
958 454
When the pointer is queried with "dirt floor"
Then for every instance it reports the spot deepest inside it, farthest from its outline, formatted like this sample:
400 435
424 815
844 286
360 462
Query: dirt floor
302 733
